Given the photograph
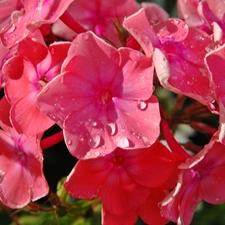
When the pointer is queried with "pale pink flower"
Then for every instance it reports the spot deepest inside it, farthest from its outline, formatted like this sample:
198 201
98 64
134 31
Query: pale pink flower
21 165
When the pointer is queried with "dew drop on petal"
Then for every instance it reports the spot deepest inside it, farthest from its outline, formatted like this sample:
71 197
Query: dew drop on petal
88 154
92 122
69 142
123 142
123 129
146 141
97 153
142 105
94 141
112 128
81 138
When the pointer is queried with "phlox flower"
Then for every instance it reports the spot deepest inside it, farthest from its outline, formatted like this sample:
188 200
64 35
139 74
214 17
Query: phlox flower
103 98
27 73
31 16
215 62
201 178
178 54
21 163
8 7
149 212
203 14
102 17
123 180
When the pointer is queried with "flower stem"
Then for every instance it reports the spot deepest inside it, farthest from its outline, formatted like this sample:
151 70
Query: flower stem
72 23
52 140
171 141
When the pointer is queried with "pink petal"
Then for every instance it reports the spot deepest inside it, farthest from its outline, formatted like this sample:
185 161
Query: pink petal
141 127
181 203
19 85
215 60
150 211
27 118
117 190
37 50
111 219
213 181
171 30
4 114
151 167
187 10
137 75
83 52
146 36
36 13
87 178
15 186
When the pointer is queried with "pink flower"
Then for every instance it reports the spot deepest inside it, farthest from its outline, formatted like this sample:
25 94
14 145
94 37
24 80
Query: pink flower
8 8
102 17
21 163
28 71
103 98
34 14
122 179
215 61
179 53
149 212
201 179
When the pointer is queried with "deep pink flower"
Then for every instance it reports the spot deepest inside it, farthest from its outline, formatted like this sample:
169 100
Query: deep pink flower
121 179
27 72
21 163
201 179
179 53
103 98
99 16
149 212
33 14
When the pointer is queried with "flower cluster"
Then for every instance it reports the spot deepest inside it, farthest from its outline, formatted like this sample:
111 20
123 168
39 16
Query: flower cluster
95 69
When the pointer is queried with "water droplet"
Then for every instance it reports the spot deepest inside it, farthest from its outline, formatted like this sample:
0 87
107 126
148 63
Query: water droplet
81 138
88 154
69 142
112 128
146 141
138 136
57 105
97 153
92 122
123 142
173 30
142 105
123 129
94 141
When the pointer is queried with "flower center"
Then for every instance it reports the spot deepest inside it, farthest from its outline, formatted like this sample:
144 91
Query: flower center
43 81
105 96
117 161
